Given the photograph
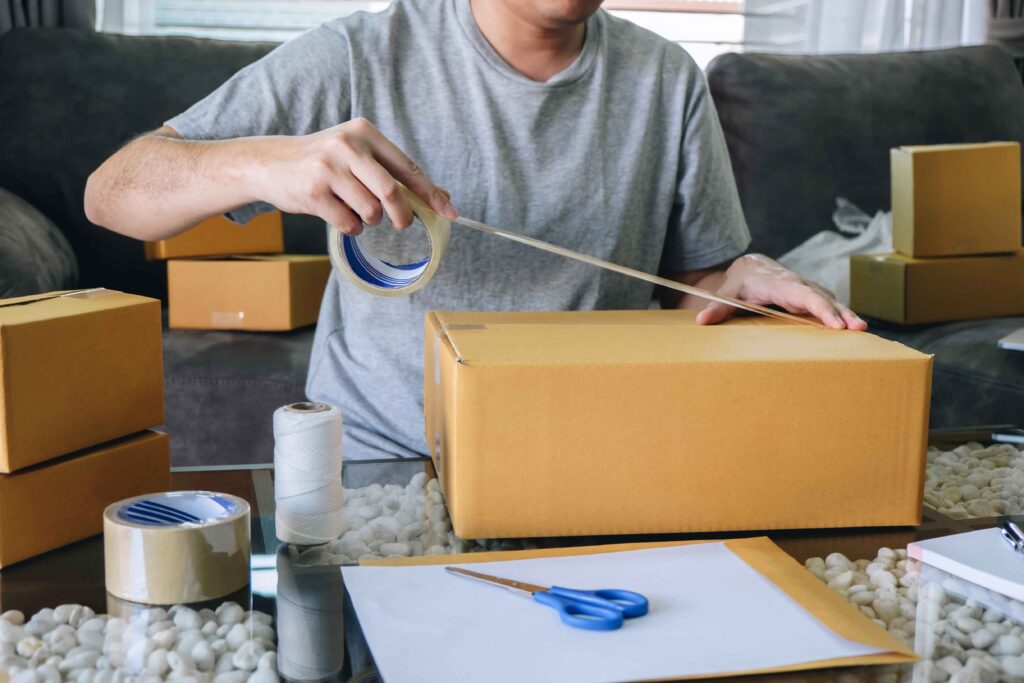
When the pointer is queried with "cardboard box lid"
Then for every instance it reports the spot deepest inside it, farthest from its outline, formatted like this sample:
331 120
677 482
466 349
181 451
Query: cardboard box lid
953 147
611 337
65 304
256 258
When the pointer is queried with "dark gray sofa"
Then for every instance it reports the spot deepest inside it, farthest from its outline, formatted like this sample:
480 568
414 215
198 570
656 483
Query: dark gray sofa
68 99
801 131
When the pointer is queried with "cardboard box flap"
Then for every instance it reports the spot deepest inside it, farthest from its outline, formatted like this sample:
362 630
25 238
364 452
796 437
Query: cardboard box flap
668 337
952 147
263 258
65 304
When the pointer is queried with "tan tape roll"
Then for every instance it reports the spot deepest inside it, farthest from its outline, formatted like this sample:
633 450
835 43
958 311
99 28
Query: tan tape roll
375 276
179 547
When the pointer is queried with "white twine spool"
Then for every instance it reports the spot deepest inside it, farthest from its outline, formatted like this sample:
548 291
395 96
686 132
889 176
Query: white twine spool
307 473
310 619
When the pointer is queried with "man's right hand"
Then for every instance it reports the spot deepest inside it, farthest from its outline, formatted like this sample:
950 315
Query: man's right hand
159 184
344 175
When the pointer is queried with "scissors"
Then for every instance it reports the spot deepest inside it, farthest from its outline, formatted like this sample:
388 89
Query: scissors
600 610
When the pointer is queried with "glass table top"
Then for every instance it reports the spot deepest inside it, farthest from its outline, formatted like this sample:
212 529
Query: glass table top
296 604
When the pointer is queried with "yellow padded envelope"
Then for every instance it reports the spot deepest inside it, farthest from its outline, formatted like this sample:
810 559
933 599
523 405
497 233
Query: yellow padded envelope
766 558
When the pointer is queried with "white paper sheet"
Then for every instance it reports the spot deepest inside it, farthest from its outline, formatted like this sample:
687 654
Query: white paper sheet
710 613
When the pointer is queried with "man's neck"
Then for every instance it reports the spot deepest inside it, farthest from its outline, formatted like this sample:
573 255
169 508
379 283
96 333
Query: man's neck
534 50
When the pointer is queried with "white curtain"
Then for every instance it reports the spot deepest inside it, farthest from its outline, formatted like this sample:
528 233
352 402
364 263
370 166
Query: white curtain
864 25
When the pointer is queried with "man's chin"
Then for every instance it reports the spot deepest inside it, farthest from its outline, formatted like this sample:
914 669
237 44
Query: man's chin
567 12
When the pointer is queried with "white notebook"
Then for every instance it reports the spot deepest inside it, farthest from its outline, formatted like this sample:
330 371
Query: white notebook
981 557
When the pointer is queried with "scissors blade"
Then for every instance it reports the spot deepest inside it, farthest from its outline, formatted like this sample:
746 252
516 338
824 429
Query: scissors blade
632 272
508 584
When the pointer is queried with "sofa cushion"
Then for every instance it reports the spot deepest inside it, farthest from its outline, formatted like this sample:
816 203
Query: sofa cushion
974 382
34 256
70 98
221 389
803 130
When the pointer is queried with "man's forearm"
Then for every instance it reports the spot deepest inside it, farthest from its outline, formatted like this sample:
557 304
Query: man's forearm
159 185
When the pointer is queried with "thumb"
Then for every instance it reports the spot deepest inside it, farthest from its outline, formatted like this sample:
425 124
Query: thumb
715 313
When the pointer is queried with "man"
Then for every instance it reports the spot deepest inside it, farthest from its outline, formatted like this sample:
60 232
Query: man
548 117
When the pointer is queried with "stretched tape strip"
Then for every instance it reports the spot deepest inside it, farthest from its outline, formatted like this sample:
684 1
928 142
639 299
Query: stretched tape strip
373 275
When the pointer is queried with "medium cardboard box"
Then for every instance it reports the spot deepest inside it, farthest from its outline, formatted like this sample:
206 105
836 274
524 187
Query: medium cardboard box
217 236
629 422
280 292
954 200
910 291
76 369
56 503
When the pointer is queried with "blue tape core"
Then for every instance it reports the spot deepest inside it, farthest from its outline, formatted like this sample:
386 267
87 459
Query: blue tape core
376 272
177 509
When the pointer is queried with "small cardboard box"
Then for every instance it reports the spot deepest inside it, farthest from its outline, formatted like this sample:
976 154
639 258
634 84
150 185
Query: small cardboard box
60 502
954 200
217 236
911 291
630 422
280 292
76 369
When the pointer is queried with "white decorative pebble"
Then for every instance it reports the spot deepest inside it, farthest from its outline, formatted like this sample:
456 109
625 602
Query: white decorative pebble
237 636
229 613
13 616
248 656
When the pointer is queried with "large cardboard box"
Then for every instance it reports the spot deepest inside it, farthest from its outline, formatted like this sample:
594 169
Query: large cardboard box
950 200
218 236
629 422
906 290
56 503
76 369
280 292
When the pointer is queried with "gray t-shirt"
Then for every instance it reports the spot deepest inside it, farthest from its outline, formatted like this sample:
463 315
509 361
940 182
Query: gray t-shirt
620 156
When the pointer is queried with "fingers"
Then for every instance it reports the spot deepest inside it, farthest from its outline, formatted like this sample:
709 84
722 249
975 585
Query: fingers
853 321
359 199
336 213
408 172
716 312
820 306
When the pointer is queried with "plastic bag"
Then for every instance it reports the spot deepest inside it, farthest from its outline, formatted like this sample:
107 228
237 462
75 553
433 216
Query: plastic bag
824 258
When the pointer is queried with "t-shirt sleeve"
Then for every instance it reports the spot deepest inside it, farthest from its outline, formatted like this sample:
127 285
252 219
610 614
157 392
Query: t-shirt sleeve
707 225
299 88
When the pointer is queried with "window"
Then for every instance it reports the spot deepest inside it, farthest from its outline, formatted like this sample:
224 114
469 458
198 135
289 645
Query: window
704 27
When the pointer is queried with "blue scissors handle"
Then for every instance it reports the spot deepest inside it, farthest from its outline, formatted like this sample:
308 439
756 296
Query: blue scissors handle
600 610
631 604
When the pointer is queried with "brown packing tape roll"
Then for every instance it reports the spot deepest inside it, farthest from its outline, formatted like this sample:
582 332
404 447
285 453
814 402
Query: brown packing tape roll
180 547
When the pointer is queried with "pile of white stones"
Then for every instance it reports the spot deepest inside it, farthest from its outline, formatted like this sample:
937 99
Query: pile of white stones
396 521
965 642
72 643
882 588
975 481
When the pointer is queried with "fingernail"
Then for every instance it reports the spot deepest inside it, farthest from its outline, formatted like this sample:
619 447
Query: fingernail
449 211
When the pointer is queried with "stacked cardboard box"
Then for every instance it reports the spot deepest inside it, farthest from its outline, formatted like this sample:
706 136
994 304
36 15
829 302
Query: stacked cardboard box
81 381
956 213
222 276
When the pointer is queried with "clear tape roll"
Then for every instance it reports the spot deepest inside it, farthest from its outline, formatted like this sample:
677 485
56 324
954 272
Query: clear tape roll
177 547
376 276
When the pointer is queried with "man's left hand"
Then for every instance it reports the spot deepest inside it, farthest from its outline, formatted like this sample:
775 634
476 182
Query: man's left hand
761 280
